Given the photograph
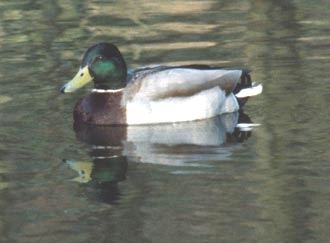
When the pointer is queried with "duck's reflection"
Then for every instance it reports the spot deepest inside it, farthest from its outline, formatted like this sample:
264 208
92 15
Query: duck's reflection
107 166
179 144
103 174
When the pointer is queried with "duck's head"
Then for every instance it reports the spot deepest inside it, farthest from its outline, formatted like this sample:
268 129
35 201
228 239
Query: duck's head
104 65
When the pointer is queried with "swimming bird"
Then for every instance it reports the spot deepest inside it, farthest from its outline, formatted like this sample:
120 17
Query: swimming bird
154 94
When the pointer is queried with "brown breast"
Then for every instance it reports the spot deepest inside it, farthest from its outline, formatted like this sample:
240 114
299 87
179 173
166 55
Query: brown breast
101 109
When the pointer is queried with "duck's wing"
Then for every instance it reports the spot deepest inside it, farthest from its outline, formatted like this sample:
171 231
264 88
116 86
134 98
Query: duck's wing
178 81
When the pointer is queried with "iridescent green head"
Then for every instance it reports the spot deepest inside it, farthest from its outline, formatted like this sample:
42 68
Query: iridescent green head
104 65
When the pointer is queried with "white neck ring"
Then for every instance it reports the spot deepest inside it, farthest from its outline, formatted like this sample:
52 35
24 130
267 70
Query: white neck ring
107 90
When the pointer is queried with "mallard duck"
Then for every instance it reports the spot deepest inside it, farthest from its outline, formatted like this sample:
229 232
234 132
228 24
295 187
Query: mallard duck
154 94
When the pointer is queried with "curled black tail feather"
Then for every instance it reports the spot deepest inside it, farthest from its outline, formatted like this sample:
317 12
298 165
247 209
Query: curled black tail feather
244 83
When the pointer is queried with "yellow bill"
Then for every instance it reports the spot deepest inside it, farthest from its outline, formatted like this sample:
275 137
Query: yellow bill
82 78
83 168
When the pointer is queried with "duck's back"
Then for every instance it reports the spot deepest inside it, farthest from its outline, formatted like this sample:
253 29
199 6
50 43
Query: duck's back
161 82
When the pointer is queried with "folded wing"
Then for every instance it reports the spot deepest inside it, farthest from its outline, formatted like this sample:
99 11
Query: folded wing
180 82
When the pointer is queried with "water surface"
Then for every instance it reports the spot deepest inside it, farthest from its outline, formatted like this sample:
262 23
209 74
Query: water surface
81 184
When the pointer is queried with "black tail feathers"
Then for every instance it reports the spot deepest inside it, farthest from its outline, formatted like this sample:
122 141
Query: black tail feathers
244 83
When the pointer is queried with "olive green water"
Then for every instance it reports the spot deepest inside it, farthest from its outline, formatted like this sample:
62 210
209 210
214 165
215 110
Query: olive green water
175 183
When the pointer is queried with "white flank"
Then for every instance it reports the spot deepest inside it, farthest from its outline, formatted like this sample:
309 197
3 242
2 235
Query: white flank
205 104
254 90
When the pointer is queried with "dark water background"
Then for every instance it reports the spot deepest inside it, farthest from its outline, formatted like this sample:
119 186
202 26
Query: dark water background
273 187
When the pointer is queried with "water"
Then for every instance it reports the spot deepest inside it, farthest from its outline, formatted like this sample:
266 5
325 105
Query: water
80 184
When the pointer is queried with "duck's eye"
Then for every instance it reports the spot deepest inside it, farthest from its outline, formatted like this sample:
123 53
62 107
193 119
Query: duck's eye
82 74
96 59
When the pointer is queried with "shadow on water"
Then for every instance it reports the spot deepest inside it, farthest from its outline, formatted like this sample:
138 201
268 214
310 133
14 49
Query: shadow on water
187 144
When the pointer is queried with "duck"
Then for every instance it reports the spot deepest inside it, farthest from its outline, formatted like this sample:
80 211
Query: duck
154 94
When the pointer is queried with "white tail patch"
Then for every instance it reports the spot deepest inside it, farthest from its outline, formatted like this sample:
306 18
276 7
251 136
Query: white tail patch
245 127
254 90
